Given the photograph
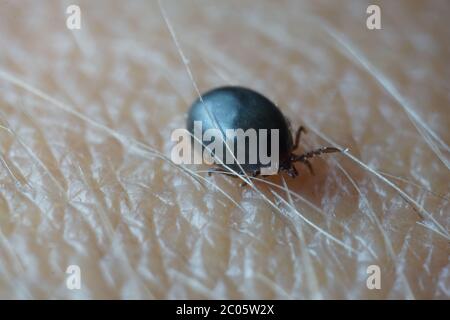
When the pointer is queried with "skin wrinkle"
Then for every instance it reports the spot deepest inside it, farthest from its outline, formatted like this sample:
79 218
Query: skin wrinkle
111 231
372 215
440 196
83 117
39 162
299 197
192 236
311 276
441 229
18 266
389 87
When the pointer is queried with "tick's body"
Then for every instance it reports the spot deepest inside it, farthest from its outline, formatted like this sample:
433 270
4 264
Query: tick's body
240 108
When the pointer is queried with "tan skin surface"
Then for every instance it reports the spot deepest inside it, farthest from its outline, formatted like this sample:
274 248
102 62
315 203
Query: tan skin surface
85 125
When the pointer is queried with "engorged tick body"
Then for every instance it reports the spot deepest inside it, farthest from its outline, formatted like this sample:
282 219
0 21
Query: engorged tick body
234 108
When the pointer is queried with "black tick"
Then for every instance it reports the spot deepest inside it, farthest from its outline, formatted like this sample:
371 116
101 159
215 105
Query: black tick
234 108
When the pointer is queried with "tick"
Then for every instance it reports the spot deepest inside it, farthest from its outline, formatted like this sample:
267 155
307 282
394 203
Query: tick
234 107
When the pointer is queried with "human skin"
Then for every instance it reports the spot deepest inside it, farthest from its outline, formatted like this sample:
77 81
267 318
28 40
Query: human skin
85 175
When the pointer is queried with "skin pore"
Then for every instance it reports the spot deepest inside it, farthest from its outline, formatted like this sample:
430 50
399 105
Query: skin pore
85 174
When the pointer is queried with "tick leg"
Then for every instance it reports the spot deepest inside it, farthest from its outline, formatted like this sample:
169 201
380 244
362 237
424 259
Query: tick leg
317 152
307 163
297 136
304 158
